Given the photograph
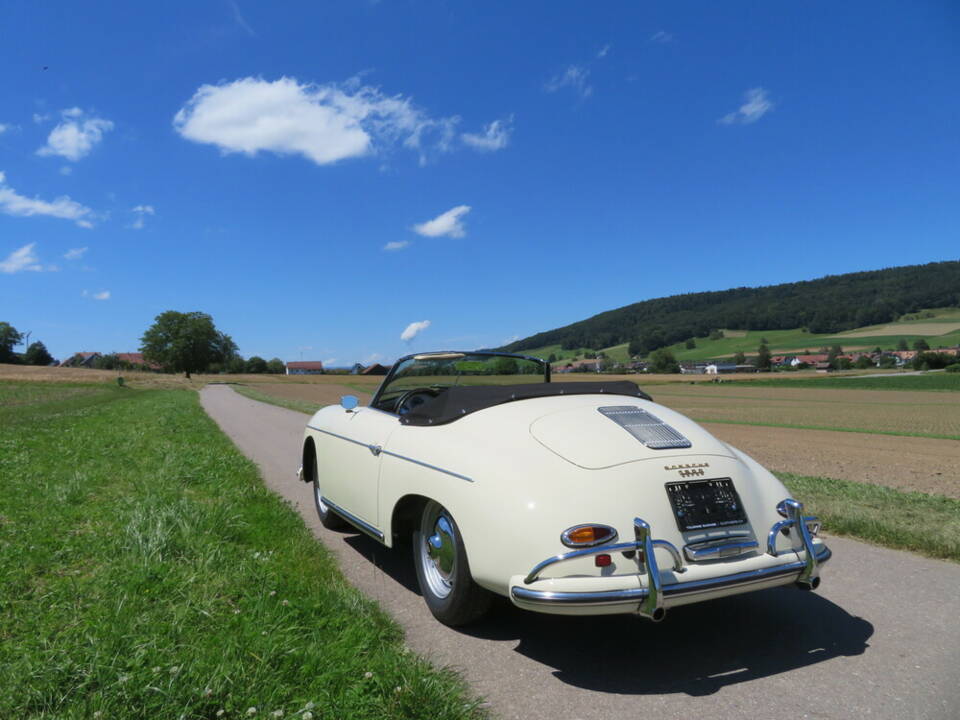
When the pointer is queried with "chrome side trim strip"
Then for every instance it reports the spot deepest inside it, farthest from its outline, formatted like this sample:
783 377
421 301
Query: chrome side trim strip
377 450
342 437
427 465
636 595
353 519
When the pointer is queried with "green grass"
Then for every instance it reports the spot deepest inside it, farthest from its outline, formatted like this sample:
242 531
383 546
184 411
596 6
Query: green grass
145 571
304 406
926 524
933 382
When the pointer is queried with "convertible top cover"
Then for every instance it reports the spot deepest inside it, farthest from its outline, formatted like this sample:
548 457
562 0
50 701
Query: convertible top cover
457 401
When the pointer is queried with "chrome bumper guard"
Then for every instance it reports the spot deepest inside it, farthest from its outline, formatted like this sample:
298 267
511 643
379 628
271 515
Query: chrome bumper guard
650 598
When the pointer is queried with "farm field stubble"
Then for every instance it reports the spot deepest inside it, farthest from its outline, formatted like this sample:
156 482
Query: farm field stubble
905 463
899 412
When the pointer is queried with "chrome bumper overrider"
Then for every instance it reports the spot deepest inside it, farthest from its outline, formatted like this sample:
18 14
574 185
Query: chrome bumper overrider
650 599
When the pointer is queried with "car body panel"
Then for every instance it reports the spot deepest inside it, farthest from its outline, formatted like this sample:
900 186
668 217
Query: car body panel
516 475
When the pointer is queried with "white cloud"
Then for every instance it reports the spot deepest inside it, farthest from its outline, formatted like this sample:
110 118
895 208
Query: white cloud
661 36
38 118
12 203
66 170
446 224
75 253
495 136
20 260
576 77
76 135
603 51
756 105
141 211
323 123
414 329
102 295
396 245
329 361
4 128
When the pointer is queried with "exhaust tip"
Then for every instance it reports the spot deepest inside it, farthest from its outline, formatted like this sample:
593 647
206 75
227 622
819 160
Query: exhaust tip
658 614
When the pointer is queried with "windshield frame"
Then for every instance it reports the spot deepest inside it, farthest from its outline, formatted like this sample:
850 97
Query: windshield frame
375 401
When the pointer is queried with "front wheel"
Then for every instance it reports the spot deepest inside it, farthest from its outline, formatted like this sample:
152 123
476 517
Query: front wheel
443 572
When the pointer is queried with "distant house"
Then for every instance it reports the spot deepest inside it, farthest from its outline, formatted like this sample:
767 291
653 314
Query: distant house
375 369
809 359
305 367
356 369
81 359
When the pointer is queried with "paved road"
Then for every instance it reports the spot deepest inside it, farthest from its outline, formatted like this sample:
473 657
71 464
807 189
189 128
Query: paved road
880 639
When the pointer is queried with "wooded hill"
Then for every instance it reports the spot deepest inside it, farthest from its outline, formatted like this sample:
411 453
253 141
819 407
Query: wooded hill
827 305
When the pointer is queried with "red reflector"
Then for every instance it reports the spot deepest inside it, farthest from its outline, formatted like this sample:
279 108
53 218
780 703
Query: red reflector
603 561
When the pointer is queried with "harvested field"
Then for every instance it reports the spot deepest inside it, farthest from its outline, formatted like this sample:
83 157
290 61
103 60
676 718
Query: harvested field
905 329
321 394
20 373
872 411
920 464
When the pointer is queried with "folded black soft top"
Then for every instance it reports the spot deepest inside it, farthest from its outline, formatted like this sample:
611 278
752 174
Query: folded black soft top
455 402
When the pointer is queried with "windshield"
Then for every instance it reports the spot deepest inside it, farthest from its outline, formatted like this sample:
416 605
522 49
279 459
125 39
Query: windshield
437 371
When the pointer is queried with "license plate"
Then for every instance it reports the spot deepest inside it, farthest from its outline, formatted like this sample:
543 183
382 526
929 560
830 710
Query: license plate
705 504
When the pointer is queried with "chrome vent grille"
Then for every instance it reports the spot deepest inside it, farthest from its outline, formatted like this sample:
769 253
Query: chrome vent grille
647 428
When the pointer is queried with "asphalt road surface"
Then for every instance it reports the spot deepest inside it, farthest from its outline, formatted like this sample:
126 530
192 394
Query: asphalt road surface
879 639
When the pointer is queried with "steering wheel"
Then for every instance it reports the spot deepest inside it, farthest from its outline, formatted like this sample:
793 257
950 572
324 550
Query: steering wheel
412 399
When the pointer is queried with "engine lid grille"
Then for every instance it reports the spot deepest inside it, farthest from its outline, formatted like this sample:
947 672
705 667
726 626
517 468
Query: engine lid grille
645 427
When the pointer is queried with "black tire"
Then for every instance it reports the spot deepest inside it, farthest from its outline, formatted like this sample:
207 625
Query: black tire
328 518
443 571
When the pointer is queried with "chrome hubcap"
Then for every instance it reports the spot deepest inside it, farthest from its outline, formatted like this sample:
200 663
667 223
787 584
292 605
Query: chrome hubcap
438 553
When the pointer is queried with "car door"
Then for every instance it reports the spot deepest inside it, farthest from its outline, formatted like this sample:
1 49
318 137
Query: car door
349 460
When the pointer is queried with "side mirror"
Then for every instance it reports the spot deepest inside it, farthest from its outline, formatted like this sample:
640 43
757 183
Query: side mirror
349 402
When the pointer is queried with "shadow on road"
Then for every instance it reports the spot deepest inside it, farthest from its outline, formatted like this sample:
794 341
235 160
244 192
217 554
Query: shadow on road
697 649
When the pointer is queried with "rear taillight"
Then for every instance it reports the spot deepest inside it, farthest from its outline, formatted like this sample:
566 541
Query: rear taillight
584 536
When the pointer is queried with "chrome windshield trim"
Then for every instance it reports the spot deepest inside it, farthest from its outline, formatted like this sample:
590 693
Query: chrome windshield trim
427 465
680 589
353 520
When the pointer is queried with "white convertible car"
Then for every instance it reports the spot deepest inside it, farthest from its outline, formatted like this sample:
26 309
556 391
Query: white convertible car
576 498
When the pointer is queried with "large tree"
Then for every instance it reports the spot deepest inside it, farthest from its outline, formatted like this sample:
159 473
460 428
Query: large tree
185 342
37 354
8 338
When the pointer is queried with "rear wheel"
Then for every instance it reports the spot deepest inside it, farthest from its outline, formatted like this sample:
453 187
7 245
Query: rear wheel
442 569
328 518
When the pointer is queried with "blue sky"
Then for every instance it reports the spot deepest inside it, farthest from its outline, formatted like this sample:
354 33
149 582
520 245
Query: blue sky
320 176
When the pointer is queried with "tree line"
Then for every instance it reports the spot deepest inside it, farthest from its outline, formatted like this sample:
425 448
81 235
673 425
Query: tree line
175 342
827 305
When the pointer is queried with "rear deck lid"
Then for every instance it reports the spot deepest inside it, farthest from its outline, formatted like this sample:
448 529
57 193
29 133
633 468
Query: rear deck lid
602 434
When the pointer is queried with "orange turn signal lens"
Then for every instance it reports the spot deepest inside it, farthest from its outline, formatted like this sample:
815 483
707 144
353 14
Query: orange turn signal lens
581 536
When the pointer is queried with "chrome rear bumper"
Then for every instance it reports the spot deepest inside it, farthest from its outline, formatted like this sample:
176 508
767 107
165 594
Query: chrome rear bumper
649 600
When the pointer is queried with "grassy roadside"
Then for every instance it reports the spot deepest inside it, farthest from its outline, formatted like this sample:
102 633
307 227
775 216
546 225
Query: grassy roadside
922 523
145 571
304 406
